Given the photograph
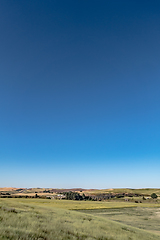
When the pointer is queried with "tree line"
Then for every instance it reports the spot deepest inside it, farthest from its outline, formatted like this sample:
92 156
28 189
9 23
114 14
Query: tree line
76 196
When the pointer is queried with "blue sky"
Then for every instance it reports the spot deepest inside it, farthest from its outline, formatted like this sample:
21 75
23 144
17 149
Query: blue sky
79 94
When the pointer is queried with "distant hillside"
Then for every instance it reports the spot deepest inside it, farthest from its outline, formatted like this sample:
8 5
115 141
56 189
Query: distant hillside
89 192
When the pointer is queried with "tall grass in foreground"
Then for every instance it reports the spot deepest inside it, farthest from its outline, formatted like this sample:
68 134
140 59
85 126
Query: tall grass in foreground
26 220
142 218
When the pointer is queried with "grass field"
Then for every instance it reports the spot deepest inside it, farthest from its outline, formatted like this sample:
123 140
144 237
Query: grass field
52 219
146 218
75 205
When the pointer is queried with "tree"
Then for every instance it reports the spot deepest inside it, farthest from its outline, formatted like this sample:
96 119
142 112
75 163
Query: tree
154 195
83 196
36 196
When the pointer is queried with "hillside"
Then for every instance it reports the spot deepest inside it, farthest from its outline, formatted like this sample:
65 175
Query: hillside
29 219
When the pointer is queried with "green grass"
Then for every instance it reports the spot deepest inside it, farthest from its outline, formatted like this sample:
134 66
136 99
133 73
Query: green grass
143 218
74 205
45 219
68 204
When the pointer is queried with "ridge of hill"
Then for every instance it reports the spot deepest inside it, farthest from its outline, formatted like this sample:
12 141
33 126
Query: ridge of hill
92 192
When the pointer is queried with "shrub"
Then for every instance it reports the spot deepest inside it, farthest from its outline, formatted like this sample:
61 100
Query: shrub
154 195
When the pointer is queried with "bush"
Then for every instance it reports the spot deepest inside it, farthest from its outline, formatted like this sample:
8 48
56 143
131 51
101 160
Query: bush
120 196
154 195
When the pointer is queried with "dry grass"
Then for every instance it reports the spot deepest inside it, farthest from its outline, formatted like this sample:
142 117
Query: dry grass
30 219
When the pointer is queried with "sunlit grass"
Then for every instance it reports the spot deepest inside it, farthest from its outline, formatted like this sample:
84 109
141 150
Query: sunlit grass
73 205
50 219
38 219
140 217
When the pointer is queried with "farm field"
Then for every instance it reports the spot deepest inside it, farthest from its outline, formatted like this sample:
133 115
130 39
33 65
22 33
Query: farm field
55 219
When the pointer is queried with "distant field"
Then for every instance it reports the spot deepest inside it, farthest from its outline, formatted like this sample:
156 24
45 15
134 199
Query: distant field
74 205
51 219
144 191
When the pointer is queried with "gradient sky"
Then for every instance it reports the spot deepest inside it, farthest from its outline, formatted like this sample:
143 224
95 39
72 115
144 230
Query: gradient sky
79 93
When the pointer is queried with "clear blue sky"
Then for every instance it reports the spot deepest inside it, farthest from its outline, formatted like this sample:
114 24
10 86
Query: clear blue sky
79 93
